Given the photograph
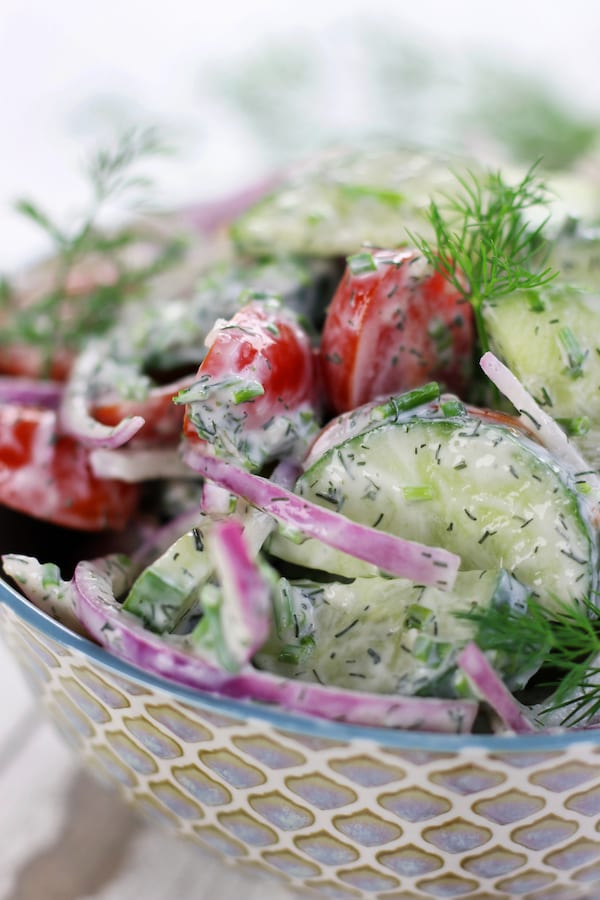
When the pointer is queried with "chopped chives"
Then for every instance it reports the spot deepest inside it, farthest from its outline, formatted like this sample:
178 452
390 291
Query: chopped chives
452 408
417 616
283 608
418 492
536 301
575 355
295 654
577 426
430 651
248 390
401 403
50 575
360 263
384 195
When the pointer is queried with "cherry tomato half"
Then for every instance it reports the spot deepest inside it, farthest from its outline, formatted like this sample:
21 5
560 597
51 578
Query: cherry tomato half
48 475
255 394
393 324
163 419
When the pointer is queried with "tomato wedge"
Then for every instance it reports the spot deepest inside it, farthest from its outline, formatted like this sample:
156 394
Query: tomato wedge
394 323
163 419
48 475
255 395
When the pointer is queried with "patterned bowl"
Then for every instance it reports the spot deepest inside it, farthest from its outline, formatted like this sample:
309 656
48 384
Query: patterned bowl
342 811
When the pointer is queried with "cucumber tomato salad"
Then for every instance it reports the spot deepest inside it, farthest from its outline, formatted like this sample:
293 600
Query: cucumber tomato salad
341 458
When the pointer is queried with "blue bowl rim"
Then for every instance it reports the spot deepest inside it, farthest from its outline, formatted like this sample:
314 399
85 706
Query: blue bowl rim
432 742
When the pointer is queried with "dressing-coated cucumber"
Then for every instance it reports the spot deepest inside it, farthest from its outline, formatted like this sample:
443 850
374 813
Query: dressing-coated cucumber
344 202
483 491
575 254
550 339
379 634
171 335
166 590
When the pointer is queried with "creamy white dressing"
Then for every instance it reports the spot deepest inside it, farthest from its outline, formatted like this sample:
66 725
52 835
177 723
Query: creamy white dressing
234 432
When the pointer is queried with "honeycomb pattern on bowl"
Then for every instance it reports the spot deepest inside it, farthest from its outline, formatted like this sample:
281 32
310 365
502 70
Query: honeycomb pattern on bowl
344 819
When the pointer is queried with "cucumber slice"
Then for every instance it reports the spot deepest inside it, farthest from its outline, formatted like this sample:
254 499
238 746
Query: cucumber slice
575 254
381 635
550 339
165 591
346 201
480 490
167 336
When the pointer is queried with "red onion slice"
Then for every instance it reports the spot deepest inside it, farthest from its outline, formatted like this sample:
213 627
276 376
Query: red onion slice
548 431
209 217
216 501
94 588
408 559
246 604
30 392
488 684
75 415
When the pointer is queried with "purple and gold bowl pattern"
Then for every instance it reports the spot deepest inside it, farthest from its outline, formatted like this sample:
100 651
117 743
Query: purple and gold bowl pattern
328 808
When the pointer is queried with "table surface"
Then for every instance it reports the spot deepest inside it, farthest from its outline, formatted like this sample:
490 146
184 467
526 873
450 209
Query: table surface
63 836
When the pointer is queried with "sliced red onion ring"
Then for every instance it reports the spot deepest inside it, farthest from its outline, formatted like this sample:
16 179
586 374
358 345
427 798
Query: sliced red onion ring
75 417
246 610
94 587
30 392
286 473
548 431
217 501
208 217
488 684
408 559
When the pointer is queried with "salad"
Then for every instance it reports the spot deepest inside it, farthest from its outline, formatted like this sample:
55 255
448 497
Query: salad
333 447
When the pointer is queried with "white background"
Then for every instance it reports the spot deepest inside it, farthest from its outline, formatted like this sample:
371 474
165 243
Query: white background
67 65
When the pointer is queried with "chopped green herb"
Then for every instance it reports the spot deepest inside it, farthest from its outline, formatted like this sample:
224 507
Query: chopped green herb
575 355
295 654
564 641
417 616
484 241
383 195
577 426
418 492
248 391
361 263
54 318
452 408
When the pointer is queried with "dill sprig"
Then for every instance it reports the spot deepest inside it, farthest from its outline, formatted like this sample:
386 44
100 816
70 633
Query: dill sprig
563 641
485 241
56 319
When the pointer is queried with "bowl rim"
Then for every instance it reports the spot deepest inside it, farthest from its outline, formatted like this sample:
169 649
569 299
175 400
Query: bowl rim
282 719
